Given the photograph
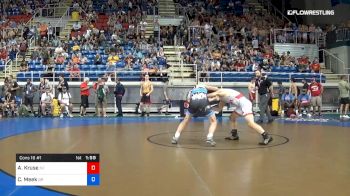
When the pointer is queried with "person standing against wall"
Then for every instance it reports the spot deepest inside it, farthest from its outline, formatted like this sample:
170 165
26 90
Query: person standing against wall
145 93
95 95
280 90
102 92
84 94
13 86
316 91
344 89
264 86
119 93
62 82
305 85
29 90
166 102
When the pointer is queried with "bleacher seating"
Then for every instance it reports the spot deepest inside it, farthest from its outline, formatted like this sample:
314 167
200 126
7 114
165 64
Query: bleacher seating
97 5
275 77
278 73
18 9
91 69
13 11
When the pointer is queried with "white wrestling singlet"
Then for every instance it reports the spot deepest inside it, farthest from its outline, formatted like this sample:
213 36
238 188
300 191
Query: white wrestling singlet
241 104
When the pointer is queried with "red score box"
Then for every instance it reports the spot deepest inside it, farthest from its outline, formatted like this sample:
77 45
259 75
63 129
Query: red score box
93 167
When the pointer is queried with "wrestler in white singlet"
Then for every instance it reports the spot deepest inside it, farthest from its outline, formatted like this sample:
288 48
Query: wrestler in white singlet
242 105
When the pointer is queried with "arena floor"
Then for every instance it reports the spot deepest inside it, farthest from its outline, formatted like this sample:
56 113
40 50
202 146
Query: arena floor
309 157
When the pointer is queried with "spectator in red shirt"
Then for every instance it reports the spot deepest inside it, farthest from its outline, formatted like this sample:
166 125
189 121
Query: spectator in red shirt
315 66
3 54
84 94
316 90
239 65
303 62
268 54
74 72
60 59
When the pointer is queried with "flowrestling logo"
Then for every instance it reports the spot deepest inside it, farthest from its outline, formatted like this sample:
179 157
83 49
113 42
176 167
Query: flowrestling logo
311 12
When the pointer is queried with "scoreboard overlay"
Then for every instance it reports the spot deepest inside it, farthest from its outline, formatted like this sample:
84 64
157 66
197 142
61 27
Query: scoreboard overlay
57 169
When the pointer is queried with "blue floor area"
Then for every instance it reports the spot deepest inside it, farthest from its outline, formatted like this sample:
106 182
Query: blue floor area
18 126
8 187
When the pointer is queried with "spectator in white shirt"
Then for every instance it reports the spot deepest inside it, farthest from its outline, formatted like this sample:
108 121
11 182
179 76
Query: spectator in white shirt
207 29
64 99
160 53
255 43
88 33
143 25
59 50
76 26
255 66
215 65
46 100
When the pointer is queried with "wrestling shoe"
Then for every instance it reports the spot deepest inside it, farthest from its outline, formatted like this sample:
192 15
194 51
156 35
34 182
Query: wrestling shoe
266 140
210 142
346 117
174 140
232 138
234 135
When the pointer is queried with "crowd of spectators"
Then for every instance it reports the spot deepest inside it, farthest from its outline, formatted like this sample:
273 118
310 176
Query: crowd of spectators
234 37
57 100
15 30
224 40
113 42
295 101
22 7
116 41
111 34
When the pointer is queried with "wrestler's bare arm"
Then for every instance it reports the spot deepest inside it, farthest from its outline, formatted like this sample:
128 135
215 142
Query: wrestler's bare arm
213 95
215 98
219 107
211 88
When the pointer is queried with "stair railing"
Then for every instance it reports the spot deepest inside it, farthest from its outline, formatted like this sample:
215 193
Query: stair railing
273 9
333 63
8 68
60 23
31 20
